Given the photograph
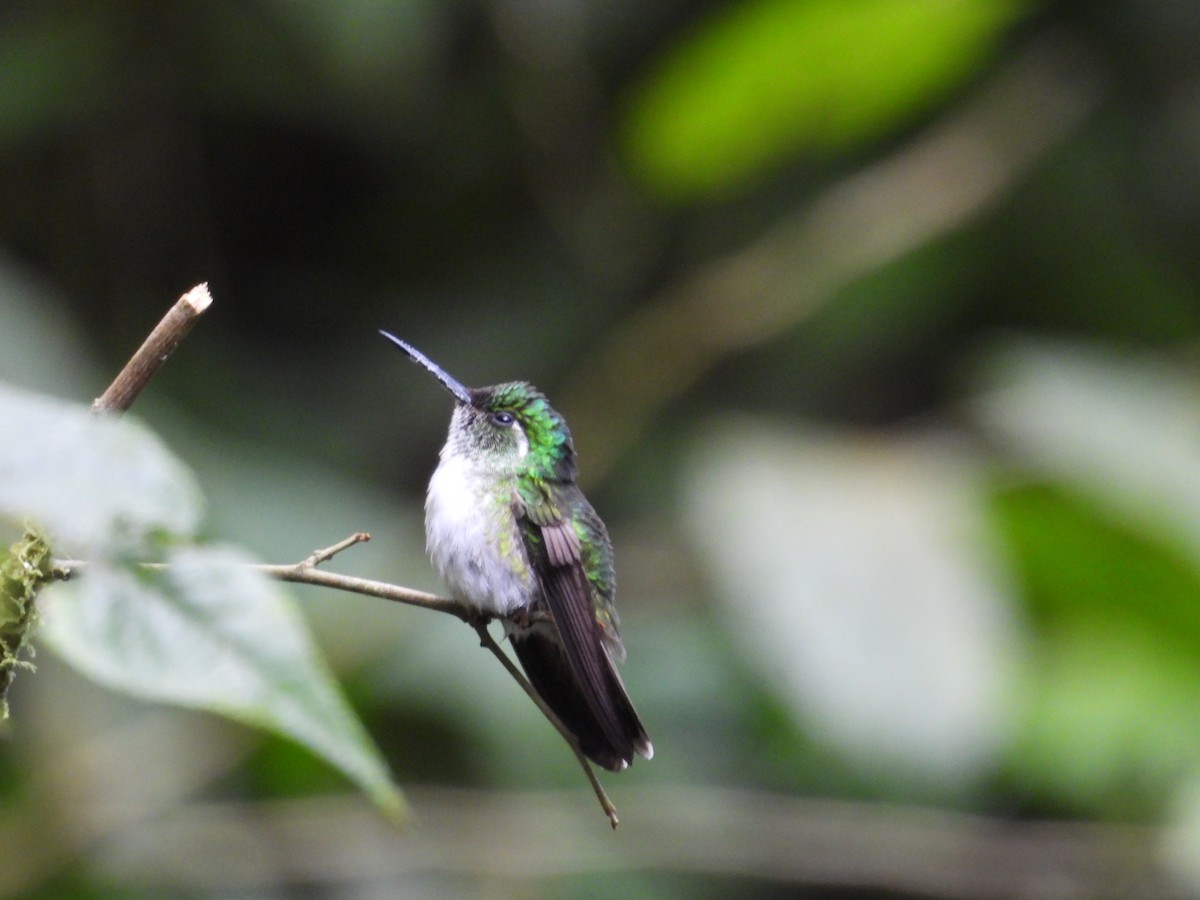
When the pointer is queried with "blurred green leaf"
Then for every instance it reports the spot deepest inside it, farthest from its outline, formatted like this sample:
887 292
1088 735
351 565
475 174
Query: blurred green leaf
209 632
1112 709
1079 561
769 78
92 482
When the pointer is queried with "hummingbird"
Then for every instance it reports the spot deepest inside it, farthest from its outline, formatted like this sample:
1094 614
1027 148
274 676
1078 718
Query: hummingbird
513 536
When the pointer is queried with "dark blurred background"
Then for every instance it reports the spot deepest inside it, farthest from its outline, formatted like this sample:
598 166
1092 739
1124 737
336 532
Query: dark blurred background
875 324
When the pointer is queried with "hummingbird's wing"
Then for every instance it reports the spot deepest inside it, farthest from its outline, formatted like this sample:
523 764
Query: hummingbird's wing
573 669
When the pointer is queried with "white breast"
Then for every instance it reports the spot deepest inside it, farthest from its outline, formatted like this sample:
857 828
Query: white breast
473 540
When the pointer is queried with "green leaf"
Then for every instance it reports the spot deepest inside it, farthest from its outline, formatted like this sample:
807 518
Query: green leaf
1111 714
207 631
91 481
767 79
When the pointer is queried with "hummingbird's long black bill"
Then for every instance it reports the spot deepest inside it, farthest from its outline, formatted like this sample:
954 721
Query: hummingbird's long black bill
453 385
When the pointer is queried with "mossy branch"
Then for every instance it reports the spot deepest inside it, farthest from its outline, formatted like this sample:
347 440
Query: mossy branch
24 569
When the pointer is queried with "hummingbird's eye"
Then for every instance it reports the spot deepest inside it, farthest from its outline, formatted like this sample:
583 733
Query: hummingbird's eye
503 419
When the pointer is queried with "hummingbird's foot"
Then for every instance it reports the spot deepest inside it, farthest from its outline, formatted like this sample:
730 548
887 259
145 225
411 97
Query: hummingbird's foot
478 619
529 617
523 621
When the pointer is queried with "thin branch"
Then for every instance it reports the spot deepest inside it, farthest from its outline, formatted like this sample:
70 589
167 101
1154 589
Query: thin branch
298 574
486 640
161 342
307 572
319 556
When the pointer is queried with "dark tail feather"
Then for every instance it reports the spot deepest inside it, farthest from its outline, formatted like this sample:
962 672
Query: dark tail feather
607 727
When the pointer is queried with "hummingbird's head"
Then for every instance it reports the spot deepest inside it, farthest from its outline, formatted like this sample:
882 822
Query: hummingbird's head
510 427
514 426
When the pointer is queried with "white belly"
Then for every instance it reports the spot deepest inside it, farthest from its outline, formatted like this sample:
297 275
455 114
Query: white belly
473 540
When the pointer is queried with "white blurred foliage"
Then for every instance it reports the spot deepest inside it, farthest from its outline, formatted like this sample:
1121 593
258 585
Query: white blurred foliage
857 577
1122 428
92 482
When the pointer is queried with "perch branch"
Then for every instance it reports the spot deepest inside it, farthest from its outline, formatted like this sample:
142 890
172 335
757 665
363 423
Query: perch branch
486 640
306 572
148 359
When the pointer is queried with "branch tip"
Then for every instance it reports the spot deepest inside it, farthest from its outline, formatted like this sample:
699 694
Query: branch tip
198 298
149 358
319 556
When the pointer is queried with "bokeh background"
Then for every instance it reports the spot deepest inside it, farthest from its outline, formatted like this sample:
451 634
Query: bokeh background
875 322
